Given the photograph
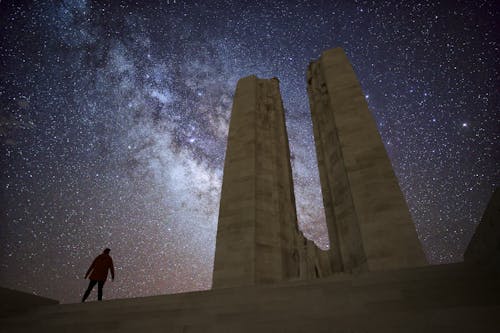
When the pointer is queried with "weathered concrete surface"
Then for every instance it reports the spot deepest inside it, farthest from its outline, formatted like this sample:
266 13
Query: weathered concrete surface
13 301
484 247
258 240
369 225
448 298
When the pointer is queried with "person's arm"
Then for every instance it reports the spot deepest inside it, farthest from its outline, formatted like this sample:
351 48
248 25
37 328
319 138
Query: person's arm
112 269
90 268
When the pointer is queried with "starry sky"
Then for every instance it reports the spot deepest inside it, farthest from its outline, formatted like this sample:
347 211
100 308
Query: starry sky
114 119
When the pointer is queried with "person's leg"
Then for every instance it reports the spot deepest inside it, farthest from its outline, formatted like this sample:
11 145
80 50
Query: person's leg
100 284
89 289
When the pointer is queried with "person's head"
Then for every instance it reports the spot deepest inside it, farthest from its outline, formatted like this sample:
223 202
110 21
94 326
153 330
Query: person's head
106 250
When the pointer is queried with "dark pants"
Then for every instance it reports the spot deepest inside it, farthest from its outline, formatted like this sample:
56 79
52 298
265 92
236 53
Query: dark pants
92 283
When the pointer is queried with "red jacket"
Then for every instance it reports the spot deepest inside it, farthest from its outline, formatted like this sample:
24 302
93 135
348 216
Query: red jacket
100 267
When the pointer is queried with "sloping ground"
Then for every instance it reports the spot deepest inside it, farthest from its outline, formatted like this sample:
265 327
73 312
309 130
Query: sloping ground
445 298
13 301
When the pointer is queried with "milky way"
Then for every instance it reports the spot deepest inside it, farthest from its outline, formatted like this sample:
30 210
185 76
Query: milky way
114 120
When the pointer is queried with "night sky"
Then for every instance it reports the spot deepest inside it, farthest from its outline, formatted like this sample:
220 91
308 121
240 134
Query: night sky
114 120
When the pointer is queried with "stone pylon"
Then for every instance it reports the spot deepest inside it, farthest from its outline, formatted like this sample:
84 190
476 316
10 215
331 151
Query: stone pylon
258 240
369 224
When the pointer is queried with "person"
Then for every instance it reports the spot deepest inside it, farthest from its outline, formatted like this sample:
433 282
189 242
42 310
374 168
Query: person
99 273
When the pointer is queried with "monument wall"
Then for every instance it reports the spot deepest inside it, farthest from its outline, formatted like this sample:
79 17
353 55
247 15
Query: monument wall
368 221
369 224
258 240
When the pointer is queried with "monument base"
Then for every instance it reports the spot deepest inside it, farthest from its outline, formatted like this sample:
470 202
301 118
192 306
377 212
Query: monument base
443 298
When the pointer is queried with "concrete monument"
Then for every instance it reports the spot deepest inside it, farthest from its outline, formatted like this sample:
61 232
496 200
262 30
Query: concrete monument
369 225
258 240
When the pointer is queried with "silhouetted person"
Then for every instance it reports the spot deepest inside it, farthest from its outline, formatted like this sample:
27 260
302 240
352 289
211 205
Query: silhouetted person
99 269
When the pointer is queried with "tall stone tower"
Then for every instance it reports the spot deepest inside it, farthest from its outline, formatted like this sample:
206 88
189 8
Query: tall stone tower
258 240
369 225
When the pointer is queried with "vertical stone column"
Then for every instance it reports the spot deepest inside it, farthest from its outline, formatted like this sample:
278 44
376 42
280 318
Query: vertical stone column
369 225
257 230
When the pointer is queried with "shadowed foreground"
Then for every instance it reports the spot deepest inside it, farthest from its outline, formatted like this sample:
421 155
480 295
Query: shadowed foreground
445 298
